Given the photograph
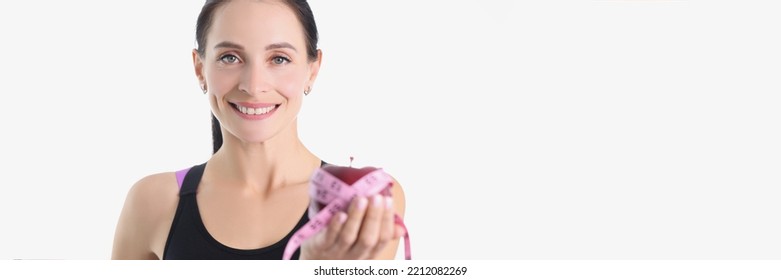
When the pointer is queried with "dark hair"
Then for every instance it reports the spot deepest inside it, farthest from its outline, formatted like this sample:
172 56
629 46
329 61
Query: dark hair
300 8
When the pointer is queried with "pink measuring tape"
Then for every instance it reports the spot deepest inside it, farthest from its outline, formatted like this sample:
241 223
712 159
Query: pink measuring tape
329 190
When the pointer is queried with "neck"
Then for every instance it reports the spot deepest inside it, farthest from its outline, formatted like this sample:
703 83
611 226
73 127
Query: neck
277 162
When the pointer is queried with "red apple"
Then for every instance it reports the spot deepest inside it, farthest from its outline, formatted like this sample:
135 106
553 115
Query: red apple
349 176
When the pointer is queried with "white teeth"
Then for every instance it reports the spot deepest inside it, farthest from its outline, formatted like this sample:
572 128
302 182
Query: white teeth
254 111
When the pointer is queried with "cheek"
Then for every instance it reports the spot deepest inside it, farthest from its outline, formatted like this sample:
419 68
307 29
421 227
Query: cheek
290 84
222 82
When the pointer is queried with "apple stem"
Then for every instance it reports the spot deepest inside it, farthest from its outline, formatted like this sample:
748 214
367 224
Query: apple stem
351 161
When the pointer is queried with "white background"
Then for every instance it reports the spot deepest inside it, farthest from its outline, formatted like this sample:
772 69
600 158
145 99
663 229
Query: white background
541 129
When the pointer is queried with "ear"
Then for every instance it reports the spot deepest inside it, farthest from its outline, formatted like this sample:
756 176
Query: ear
198 65
314 68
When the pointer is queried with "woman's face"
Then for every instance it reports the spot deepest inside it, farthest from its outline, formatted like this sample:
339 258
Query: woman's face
255 68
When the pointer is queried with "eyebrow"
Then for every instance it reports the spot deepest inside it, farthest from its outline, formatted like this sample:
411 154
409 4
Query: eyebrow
228 45
232 45
280 46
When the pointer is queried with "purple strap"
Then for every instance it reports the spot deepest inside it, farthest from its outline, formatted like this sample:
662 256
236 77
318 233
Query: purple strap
180 176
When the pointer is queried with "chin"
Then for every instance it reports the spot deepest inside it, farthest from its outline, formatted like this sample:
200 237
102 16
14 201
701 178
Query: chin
255 137
255 132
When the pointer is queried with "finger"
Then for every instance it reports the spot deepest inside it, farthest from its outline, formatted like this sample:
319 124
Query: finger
352 225
369 234
400 232
388 228
332 231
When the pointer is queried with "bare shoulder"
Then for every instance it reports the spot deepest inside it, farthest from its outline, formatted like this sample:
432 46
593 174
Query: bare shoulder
146 217
155 190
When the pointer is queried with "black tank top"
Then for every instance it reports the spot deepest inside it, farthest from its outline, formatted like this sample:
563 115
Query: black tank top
188 238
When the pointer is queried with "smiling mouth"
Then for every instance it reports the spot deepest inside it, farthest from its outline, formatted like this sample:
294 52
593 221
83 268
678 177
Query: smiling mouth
254 111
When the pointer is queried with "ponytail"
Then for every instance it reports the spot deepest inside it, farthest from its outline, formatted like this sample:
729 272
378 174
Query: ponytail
216 134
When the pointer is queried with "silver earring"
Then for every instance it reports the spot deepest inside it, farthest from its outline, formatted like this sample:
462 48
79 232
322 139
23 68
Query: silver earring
203 88
306 91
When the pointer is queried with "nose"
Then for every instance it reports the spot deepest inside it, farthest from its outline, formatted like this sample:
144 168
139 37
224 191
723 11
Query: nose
255 79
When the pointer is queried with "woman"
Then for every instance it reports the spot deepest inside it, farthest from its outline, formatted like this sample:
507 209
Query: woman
256 61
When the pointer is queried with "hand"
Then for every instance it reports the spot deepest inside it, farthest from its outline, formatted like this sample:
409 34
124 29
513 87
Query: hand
360 234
